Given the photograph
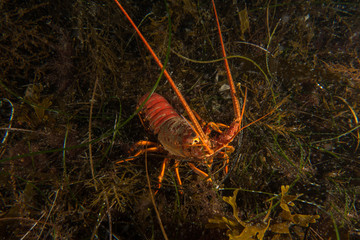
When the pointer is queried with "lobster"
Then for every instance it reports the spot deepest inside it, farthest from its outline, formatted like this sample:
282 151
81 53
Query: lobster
182 138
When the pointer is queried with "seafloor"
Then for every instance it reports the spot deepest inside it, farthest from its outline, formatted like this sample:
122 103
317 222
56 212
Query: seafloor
72 73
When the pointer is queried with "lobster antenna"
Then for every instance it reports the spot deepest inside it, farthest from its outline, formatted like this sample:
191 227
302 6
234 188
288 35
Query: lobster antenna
235 101
192 117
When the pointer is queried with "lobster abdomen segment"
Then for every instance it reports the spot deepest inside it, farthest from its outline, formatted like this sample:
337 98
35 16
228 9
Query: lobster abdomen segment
156 111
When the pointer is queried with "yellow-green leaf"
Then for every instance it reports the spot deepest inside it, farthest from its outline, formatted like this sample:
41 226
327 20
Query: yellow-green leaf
244 23
304 220
282 228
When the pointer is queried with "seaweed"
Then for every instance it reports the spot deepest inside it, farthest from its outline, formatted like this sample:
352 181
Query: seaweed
280 225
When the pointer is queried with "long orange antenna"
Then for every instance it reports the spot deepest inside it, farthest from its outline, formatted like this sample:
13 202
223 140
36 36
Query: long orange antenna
192 117
231 82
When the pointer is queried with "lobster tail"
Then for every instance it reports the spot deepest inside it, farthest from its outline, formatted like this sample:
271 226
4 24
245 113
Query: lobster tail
157 111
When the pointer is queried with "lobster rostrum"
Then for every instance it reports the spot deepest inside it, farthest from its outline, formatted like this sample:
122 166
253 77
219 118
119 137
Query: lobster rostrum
182 138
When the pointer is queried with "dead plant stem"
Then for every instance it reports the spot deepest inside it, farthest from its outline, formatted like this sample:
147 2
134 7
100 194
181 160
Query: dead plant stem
90 122
153 200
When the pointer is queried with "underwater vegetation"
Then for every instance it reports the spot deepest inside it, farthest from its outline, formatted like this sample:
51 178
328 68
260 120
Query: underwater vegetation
251 230
73 71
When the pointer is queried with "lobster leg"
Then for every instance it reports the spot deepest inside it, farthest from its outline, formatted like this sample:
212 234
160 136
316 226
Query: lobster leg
157 148
144 143
216 126
228 151
199 172
162 172
178 179
206 126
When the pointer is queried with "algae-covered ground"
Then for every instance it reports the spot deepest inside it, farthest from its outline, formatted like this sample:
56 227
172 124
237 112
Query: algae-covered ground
72 73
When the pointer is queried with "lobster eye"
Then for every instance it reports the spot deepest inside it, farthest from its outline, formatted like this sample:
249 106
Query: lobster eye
195 141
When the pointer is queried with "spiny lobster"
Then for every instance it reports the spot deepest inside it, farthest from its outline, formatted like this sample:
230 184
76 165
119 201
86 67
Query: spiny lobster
179 137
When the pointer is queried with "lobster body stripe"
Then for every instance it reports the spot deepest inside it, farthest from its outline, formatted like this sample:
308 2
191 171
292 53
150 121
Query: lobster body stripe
156 111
